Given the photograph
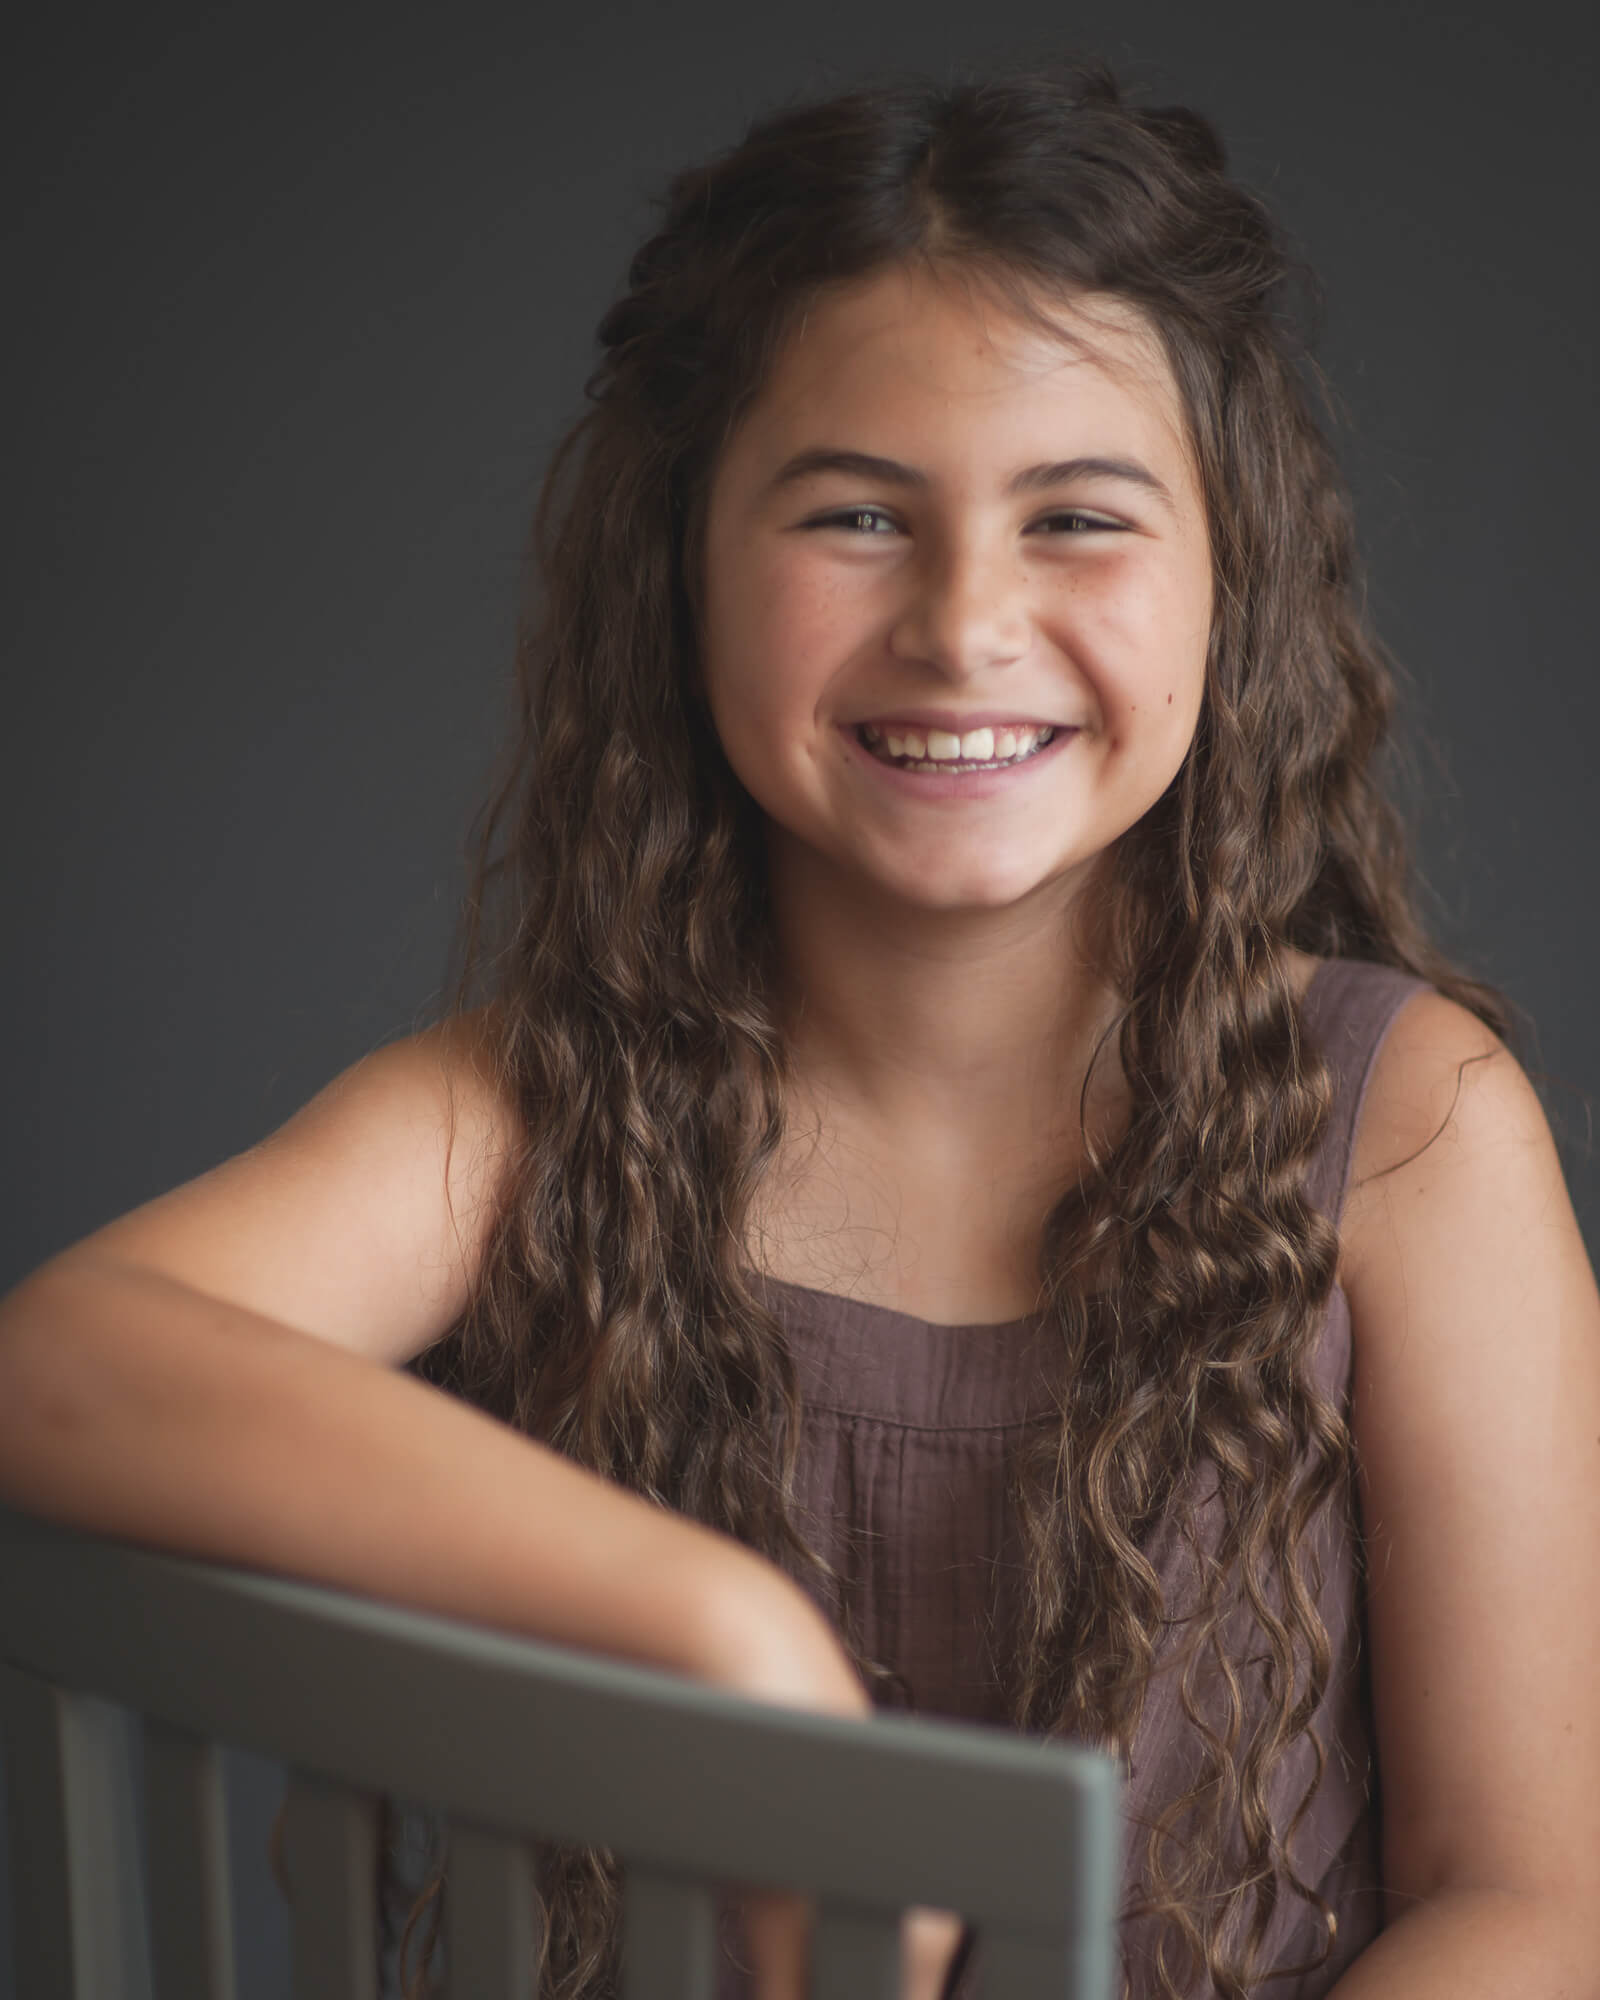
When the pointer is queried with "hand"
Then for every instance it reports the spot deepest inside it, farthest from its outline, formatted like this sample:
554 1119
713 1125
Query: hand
771 1643
777 1932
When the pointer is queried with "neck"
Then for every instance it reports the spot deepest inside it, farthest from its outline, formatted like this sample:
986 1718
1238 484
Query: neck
949 1030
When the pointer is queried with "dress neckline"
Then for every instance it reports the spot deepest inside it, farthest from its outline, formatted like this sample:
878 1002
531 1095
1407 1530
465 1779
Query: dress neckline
892 1316
868 1308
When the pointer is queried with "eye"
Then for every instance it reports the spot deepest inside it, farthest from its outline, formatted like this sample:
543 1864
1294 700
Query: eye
1075 522
849 516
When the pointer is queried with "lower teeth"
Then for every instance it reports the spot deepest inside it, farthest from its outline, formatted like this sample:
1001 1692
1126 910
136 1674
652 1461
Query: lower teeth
940 764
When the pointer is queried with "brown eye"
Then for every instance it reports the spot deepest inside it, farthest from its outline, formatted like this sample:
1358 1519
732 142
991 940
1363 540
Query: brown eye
1081 524
849 516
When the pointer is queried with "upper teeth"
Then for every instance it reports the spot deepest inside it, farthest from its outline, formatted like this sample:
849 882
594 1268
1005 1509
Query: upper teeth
977 746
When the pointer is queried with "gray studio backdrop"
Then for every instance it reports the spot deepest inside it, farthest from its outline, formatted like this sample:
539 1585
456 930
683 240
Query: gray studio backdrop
296 312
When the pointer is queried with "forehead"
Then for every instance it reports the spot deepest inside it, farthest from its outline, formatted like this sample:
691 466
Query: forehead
942 346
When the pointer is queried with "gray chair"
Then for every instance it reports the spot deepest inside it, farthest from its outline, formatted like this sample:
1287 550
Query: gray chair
507 1739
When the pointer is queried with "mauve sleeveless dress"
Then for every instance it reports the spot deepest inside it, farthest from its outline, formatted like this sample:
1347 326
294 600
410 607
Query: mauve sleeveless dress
902 1485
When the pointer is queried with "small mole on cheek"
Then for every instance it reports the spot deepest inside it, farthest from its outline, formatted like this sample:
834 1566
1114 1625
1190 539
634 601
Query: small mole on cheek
1169 701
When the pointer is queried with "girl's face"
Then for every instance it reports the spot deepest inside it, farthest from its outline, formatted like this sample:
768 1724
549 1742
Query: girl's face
938 533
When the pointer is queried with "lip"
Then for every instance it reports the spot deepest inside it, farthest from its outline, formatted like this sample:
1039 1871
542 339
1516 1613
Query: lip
933 786
953 724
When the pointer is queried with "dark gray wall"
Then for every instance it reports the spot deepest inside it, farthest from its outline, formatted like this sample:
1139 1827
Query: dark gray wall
296 310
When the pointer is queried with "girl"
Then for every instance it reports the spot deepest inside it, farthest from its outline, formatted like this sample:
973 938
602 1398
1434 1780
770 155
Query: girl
955 1178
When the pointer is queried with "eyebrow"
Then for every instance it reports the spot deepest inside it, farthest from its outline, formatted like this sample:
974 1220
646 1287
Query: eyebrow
1031 479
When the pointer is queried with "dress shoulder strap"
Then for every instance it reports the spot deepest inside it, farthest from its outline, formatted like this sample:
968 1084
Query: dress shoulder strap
1347 1010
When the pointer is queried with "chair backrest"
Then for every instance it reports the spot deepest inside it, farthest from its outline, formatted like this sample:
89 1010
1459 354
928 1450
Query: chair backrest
508 1739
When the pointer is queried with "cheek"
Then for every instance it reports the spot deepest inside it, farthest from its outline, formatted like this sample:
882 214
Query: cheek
767 612
802 608
757 675
1155 627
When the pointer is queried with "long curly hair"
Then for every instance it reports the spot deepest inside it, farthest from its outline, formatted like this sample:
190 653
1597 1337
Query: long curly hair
617 936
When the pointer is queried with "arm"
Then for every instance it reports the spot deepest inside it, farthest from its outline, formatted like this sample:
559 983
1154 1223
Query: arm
1476 1414
218 1373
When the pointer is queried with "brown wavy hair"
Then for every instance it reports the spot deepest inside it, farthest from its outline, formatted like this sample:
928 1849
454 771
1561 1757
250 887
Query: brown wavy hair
617 935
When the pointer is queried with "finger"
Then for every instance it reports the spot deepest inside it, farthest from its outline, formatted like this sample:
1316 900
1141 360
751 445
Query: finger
929 1941
777 1931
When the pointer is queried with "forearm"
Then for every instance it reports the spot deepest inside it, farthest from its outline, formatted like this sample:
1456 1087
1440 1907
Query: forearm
136 1407
1480 1944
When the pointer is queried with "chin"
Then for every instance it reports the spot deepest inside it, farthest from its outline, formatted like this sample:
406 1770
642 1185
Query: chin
968 897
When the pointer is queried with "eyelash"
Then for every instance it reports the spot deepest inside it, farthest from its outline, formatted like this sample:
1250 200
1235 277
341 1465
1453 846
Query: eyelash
1090 521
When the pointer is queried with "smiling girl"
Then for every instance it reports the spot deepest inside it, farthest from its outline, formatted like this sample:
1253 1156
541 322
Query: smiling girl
955 1179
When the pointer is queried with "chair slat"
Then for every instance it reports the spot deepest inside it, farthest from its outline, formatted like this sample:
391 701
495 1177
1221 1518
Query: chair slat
37 1838
1025 1968
78 1928
330 1847
855 1954
491 1931
669 1937
186 1845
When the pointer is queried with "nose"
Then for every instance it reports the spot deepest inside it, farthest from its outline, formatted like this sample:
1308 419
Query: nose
966 610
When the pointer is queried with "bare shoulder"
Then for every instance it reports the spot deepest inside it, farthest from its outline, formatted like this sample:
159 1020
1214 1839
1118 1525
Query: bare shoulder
1449 1117
362 1218
445 1078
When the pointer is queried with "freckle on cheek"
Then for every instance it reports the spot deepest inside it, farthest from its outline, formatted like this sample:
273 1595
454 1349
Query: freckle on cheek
1169 701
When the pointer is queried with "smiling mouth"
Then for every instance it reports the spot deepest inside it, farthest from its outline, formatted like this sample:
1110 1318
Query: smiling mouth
938 750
